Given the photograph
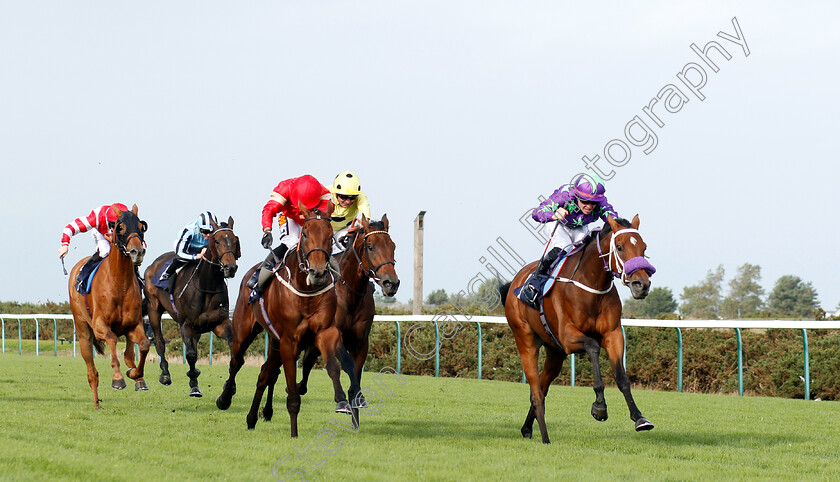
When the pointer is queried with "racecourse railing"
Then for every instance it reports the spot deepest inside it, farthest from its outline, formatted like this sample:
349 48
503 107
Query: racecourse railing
438 320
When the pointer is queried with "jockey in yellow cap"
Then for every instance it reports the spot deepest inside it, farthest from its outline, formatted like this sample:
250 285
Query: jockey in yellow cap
350 203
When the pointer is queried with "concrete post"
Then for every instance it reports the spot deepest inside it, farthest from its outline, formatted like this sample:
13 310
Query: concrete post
417 307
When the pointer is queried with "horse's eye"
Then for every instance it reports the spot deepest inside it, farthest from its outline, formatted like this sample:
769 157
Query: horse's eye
618 247
369 247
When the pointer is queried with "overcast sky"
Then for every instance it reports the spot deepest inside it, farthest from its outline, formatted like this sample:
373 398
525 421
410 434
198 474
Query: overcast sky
468 110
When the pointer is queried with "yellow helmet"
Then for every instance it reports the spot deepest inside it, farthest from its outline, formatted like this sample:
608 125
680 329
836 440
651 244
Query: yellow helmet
347 183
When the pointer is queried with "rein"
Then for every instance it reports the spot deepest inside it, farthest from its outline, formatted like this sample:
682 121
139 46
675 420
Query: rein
624 270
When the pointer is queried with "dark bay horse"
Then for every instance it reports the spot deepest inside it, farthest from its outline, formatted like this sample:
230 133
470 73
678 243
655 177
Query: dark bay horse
297 309
583 313
113 307
201 299
370 256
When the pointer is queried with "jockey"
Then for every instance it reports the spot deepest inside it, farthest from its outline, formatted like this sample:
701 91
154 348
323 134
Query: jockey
350 203
191 245
284 200
573 207
99 222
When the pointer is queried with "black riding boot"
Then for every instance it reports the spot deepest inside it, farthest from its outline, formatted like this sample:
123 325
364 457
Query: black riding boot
531 289
169 274
86 269
275 256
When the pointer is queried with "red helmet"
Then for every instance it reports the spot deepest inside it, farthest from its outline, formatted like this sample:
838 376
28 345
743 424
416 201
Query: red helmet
109 213
309 191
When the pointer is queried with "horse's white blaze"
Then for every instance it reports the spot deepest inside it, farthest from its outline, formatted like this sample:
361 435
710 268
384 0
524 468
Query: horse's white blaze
633 241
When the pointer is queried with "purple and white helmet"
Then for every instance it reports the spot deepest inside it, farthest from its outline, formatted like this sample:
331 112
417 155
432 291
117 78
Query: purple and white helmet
588 188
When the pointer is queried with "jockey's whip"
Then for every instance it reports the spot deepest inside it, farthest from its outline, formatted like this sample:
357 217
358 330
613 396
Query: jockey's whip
63 267
549 242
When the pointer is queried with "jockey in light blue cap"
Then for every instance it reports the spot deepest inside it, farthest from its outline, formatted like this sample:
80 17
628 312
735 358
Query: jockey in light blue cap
192 243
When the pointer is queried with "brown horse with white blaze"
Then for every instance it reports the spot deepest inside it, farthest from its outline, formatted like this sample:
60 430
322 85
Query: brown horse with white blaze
582 314
113 307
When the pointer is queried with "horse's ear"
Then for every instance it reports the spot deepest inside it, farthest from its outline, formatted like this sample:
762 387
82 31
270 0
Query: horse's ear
365 223
635 222
117 211
385 221
614 225
230 223
134 209
330 208
306 213
214 224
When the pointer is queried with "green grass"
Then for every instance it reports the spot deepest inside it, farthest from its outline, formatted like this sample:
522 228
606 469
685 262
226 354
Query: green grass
442 429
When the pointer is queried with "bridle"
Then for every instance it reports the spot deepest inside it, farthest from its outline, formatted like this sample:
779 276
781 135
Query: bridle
303 259
623 268
218 260
370 272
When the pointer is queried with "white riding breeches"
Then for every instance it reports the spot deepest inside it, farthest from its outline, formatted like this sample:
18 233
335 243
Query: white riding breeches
565 236
290 234
103 246
337 247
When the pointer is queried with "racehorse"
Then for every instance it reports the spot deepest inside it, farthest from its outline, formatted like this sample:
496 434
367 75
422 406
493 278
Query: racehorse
200 297
582 315
372 259
113 307
297 310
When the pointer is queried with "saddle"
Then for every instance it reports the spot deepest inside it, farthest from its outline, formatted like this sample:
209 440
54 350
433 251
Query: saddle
86 277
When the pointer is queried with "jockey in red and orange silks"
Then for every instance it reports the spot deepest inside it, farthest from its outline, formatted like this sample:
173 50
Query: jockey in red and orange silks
99 223
285 199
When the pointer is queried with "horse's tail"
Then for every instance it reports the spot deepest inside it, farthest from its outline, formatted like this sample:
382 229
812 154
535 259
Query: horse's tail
503 291
97 344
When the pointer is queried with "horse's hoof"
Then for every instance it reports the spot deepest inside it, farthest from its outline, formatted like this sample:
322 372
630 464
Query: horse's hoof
118 384
195 392
140 385
643 424
343 407
222 404
599 413
359 401
165 380
300 388
527 433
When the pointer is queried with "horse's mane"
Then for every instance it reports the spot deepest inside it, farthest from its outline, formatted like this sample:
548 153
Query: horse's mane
605 230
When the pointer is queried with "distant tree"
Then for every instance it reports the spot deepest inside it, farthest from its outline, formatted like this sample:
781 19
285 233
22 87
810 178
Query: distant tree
437 297
745 292
793 297
658 302
379 298
702 301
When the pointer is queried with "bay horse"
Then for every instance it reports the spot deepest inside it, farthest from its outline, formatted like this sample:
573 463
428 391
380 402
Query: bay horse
113 307
297 309
583 314
372 259
200 296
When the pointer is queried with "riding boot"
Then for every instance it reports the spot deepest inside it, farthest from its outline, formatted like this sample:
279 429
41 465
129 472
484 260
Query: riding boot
531 290
86 269
139 278
263 273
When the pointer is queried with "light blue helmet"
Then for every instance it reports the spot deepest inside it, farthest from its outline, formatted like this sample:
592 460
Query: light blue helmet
206 220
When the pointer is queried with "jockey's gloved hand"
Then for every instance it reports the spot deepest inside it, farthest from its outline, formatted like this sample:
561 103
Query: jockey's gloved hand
267 240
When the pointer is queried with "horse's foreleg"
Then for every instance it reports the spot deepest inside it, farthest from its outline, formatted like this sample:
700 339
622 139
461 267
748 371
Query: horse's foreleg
599 407
190 339
327 342
310 356
136 336
160 344
288 353
117 382
614 344
553 365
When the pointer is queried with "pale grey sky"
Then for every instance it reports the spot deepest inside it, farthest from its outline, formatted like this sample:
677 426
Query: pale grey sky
468 109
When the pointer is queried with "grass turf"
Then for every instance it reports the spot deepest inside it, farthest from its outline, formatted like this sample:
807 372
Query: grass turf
442 429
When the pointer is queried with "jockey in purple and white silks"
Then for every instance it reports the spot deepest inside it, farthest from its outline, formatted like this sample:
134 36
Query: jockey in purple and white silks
573 207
